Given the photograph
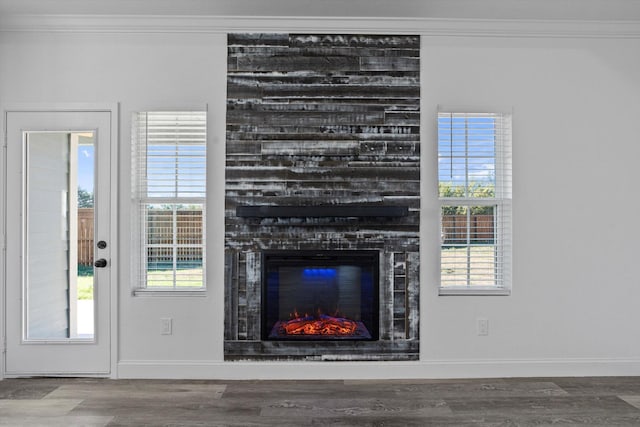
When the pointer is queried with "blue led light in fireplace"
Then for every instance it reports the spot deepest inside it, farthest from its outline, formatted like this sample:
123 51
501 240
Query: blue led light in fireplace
320 272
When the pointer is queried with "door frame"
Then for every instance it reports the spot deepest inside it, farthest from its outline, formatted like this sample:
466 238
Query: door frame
114 110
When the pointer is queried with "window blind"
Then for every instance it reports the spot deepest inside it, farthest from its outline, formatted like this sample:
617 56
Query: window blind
170 188
171 155
474 185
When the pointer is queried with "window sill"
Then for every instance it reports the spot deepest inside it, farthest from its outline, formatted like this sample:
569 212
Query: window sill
170 293
474 291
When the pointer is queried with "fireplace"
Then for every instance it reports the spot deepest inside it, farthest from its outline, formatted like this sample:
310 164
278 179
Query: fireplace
322 197
320 295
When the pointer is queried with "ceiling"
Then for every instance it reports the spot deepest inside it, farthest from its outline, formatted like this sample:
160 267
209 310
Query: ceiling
606 10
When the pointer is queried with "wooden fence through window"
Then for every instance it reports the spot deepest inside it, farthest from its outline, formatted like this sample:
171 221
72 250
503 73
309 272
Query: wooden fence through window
85 236
454 229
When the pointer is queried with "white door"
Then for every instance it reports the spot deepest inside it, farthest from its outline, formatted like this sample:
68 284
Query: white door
58 256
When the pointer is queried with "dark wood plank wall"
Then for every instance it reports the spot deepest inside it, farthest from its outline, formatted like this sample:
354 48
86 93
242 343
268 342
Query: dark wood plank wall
318 119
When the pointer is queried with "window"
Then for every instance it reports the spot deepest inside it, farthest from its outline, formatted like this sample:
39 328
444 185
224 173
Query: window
474 186
169 195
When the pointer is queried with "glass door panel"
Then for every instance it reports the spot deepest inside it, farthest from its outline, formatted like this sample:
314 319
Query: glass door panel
59 186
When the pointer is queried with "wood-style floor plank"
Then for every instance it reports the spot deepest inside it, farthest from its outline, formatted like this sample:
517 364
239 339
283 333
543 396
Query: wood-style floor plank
611 401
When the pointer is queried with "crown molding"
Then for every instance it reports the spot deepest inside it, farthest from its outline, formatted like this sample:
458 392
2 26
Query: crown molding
156 24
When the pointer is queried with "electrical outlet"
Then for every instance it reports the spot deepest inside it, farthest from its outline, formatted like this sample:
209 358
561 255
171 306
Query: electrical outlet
166 326
483 327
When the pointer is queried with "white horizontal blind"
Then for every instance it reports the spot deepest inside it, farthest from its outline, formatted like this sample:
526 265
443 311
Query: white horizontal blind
170 188
474 179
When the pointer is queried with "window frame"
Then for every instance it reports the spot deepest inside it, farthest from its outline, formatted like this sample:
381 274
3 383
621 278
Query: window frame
501 201
140 203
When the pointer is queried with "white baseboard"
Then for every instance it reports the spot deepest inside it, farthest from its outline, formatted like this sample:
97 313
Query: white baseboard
436 369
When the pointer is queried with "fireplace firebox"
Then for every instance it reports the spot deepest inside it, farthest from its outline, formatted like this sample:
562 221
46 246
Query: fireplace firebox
320 295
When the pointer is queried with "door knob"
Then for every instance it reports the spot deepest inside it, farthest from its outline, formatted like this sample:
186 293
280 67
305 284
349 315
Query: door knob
100 263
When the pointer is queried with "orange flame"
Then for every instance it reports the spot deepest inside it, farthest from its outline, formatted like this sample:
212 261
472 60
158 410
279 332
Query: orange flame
321 325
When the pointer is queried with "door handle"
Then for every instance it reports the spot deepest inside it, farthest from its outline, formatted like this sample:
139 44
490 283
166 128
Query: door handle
100 263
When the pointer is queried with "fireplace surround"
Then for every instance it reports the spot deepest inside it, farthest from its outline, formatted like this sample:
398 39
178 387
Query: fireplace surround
322 156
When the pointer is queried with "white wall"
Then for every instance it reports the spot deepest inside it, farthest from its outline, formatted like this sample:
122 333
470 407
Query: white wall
474 9
575 128
573 309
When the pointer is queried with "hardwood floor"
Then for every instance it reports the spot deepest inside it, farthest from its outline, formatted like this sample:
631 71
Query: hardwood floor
599 401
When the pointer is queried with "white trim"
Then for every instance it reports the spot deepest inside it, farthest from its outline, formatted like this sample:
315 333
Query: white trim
501 201
429 369
114 233
378 25
180 292
141 199
473 291
475 109
21 107
59 375
3 236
